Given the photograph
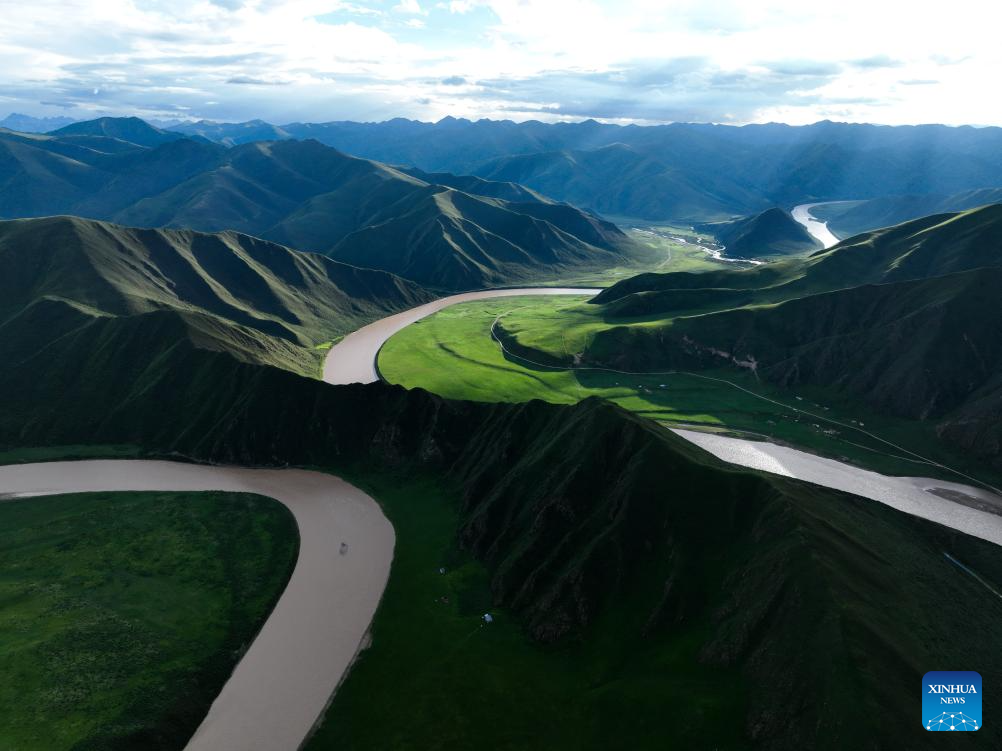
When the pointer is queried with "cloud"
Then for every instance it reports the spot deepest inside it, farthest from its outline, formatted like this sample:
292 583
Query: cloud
640 60
877 61
410 6
249 81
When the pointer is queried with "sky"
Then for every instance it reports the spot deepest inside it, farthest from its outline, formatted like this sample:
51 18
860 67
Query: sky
642 61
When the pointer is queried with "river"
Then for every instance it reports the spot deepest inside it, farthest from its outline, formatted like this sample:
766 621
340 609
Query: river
353 360
284 681
817 229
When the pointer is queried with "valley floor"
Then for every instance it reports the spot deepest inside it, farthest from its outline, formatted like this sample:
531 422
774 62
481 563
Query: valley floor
287 676
454 354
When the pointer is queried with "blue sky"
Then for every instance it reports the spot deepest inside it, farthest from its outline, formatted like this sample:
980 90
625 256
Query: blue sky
629 61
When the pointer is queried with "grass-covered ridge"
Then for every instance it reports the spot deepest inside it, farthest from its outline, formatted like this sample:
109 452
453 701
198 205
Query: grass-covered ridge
597 532
901 319
122 614
454 354
772 232
259 301
629 570
444 232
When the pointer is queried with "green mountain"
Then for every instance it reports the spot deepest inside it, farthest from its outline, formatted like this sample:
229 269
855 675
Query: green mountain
309 196
681 170
772 233
129 129
259 301
668 575
622 181
927 247
642 571
850 218
901 318
232 134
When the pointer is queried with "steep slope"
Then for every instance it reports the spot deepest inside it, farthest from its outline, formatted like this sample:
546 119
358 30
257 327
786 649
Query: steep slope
902 318
312 197
128 129
90 175
774 163
772 233
814 601
854 217
620 180
923 248
507 191
232 134
259 301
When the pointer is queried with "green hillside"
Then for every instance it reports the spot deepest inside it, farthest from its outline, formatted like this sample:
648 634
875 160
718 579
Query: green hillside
129 129
457 234
309 196
848 218
259 301
900 318
772 233
623 181
626 567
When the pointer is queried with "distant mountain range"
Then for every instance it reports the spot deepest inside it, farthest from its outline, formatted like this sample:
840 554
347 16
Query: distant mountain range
29 124
446 232
902 318
772 233
683 171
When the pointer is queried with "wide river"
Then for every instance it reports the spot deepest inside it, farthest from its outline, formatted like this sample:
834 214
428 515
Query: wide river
354 360
290 671
818 229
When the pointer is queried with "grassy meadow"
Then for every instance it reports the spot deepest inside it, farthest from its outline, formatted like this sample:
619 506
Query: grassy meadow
122 614
438 677
453 354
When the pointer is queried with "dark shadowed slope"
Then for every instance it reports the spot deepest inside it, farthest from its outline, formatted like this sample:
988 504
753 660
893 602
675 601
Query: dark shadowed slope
620 180
772 233
129 129
903 318
699 166
597 528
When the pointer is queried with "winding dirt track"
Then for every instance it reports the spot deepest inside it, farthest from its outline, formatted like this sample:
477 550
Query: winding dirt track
288 675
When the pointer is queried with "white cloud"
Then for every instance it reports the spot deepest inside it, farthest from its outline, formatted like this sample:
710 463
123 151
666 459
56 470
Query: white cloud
410 6
618 59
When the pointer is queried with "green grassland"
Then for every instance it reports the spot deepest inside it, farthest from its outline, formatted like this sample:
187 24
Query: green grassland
656 249
122 614
453 354
438 677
